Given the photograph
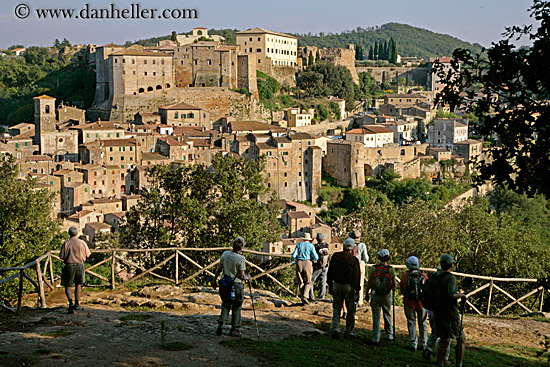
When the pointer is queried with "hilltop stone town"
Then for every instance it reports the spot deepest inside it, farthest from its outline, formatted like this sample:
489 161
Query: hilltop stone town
178 103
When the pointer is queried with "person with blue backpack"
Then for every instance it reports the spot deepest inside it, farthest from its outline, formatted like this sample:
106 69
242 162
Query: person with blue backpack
411 282
381 282
233 266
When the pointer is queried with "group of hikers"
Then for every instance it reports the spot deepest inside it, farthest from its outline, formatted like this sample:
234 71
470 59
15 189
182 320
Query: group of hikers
432 298
344 276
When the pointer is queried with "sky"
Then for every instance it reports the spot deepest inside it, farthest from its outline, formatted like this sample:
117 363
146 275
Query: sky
481 21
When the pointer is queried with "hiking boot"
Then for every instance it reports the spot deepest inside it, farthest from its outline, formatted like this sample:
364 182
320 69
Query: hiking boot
335 335
426 354
235 332
219 330
351 335
71 309
77 308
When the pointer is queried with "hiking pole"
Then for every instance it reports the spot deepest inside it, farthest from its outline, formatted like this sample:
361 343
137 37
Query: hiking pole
393 318
459 340
253 310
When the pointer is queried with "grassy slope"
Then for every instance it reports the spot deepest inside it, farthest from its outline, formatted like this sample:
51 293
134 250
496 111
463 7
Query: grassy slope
321 350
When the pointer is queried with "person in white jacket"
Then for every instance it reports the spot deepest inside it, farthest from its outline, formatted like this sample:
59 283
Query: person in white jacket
363 257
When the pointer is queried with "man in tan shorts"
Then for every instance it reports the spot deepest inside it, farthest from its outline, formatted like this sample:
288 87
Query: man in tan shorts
73 252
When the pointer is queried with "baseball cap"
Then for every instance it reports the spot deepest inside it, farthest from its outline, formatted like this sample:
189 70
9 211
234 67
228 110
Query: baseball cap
319 236
412 263
349 244
447 260
383 253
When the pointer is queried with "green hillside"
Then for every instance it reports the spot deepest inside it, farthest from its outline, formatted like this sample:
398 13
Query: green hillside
411 41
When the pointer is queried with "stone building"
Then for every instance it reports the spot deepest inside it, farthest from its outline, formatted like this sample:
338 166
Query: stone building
445 133
99 59
350 162
132 72
124 153
293 165
336 56
186 39
99 130
63 145
371 135
270 48
183 114
298 118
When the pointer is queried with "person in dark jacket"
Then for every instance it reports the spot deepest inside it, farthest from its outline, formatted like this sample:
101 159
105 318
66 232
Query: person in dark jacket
343 282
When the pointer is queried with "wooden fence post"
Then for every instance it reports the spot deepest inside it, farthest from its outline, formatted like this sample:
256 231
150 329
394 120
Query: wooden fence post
541 299
20 292
113 282
50 264
490 296
177 267
40 283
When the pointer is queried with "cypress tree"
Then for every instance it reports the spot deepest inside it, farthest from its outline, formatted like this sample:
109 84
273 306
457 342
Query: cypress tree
371 53
393 51
385 52
317 57
376 50
310 60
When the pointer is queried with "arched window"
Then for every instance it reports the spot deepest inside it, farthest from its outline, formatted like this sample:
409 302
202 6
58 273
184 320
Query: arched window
141 90
149 89
159 87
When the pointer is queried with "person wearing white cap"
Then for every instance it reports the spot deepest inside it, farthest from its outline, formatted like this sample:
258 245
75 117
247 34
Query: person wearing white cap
303 256
363 256
411 282
382 281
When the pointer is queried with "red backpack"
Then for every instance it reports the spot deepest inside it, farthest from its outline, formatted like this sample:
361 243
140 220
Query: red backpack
382 280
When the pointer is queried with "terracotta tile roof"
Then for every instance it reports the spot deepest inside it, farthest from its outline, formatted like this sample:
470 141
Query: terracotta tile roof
469 141
180 106
38 158
117 214
117 142
257 30
102 201
80 214
170 141
98 225
22 125
281 140
201 142
249 126
298 215
129 52
43 96
153 157
99 125
301 136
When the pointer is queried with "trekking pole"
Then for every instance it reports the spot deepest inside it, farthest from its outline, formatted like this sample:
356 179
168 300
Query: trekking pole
253 310
393 318
459 340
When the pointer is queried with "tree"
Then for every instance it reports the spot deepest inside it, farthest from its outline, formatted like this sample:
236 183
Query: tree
310 59
317 56
229 36
57 44
358 52
66 43
174 36
376 51
393 51
371 53
508 89
27 229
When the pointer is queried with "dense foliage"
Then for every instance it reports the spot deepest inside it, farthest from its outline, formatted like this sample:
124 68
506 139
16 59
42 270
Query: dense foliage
411 41
196 206
38 72
508 89
498 244
26 226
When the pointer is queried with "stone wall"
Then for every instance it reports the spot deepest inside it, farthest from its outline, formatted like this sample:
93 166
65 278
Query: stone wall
218 101
413 75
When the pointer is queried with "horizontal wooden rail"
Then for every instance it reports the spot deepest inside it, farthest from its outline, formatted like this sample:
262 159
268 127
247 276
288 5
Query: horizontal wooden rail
178 255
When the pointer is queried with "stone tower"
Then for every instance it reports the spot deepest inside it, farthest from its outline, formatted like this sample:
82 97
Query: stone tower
44 116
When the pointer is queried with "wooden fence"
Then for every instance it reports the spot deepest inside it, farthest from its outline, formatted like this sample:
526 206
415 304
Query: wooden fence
45 276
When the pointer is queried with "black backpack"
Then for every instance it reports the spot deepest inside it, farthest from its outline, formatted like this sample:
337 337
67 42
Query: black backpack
323 252
415 281
430 292
382 280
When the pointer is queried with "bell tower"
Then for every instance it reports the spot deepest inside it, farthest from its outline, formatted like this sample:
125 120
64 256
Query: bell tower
44 116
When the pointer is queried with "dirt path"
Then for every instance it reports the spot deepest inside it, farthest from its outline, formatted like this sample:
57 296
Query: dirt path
103 335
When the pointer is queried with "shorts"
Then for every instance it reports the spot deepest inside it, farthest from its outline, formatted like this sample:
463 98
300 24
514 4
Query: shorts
73 274
448 327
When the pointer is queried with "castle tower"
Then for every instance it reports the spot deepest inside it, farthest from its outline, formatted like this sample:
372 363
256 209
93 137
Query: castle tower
44 116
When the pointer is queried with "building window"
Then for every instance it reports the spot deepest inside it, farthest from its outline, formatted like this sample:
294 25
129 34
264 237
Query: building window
68 179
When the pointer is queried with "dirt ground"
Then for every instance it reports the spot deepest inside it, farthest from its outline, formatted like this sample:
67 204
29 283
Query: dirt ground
101 335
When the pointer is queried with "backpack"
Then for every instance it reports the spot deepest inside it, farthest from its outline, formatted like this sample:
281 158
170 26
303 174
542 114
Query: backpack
382 280
430 291
322 251
415 281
